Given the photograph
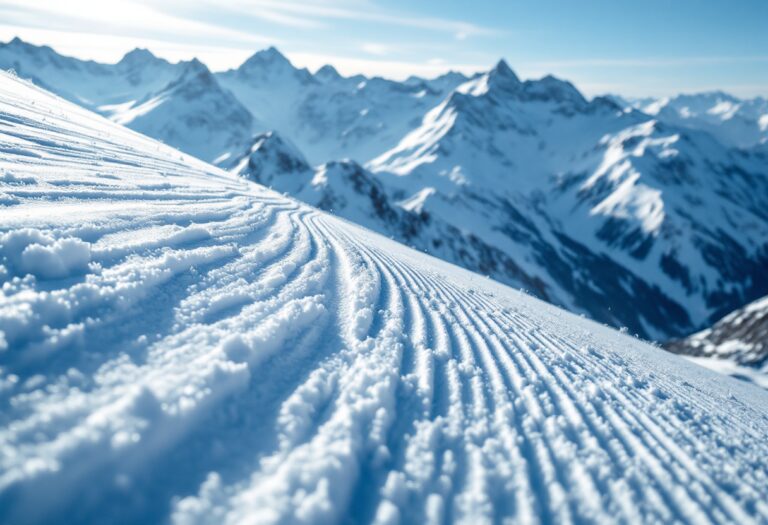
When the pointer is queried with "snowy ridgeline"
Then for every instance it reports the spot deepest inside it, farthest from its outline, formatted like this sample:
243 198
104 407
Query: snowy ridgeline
182 345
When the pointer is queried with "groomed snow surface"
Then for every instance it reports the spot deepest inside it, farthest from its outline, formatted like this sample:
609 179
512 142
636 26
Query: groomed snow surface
182 346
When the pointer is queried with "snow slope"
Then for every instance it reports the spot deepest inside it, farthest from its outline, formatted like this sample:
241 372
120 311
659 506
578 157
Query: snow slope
182 345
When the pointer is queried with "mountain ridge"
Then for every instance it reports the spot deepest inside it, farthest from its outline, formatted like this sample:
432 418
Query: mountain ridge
735 345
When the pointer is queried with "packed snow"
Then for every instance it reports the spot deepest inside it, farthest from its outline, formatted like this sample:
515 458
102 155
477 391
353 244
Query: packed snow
181 345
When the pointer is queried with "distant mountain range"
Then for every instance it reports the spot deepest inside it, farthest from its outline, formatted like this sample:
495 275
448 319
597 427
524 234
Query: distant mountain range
326 115
735 122
736 345
647 214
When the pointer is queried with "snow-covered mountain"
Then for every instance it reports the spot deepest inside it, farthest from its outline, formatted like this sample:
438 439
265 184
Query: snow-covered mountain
737 344
634 221
191 110
627 216
180 104
182 345
607 212
344 188
328 116
735 122
612 213
104 88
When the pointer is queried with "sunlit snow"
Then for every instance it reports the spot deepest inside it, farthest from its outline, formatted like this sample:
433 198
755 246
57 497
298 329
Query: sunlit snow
181 345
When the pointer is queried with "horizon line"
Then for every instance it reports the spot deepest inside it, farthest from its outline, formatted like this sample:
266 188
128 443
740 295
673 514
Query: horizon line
467 70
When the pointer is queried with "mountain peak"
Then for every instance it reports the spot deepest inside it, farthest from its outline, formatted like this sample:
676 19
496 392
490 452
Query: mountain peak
552 88
138 56
194 67
502 77
502 70
327 72
265 57
269 65
195 63
18 43
195 78
275 161
271 51
453 75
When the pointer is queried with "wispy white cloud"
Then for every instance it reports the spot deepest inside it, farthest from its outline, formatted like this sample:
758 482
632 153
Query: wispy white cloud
297 12
647 62
377 49
179 29
117 17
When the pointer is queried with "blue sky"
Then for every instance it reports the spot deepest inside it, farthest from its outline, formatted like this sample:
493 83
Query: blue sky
634 48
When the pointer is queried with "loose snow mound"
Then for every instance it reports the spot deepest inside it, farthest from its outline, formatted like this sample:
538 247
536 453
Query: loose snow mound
33 252
180 345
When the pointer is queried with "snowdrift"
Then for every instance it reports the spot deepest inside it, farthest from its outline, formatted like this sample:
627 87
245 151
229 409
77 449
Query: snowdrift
180 345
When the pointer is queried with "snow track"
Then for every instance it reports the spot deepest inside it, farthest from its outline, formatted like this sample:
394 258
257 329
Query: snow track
178 345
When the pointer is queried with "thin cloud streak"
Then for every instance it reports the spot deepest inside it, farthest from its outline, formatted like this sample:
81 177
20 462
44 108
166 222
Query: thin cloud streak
119 17
308 12
644 62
